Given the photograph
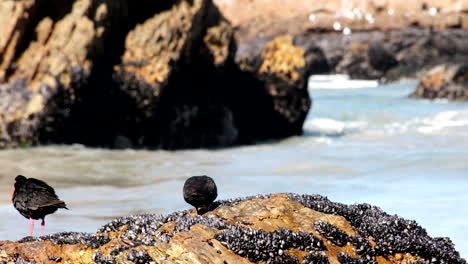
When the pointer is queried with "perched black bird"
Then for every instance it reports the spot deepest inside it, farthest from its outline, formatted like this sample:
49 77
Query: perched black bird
200 191
35 199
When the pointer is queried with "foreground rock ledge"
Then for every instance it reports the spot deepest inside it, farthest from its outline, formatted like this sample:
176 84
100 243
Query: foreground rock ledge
279 228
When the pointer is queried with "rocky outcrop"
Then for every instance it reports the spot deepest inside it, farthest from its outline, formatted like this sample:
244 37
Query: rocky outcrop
120 74
190 92
49 58
279 228
389 55
271 18
45 70
284 68
444 82
383 40
382 55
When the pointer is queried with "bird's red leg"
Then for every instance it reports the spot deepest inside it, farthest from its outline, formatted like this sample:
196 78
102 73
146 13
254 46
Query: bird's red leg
31 226
42 227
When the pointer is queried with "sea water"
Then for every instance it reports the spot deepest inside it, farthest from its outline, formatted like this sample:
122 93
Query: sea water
362 145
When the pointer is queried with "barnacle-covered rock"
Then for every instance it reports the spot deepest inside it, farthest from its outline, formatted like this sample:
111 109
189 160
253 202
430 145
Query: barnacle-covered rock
277 228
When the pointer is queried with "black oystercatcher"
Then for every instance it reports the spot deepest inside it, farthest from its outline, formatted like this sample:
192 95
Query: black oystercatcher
35 199
200 191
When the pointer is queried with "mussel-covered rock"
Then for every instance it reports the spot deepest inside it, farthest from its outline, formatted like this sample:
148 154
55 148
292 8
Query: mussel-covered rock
277 228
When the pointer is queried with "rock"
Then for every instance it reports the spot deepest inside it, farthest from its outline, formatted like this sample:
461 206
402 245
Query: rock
283 68
384 40
15 21
366 61
171 81
357 64
447 81
121 74
189 91
388 56
273 18
278 228
46 68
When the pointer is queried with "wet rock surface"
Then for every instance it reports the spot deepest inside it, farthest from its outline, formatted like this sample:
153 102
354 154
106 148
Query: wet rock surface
278 228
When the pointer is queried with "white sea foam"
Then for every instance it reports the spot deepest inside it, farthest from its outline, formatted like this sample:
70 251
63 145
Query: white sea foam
338 81
433 124
331 127
443 120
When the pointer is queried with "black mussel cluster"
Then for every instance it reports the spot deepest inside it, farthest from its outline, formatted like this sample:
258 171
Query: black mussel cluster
391 233
345 258
184 223
99 258
142 229
332 233
139 257
86 239
362 246
314 257
259 245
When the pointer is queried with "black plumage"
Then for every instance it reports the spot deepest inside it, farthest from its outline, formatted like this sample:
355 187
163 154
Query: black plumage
200 192
35 199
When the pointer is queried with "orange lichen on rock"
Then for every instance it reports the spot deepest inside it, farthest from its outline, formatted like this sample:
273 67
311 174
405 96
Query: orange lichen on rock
218 40
277 212
43 252
39 61
153 46
283 59
444 81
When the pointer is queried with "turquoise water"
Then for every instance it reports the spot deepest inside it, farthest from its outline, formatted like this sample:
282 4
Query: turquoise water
372 145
